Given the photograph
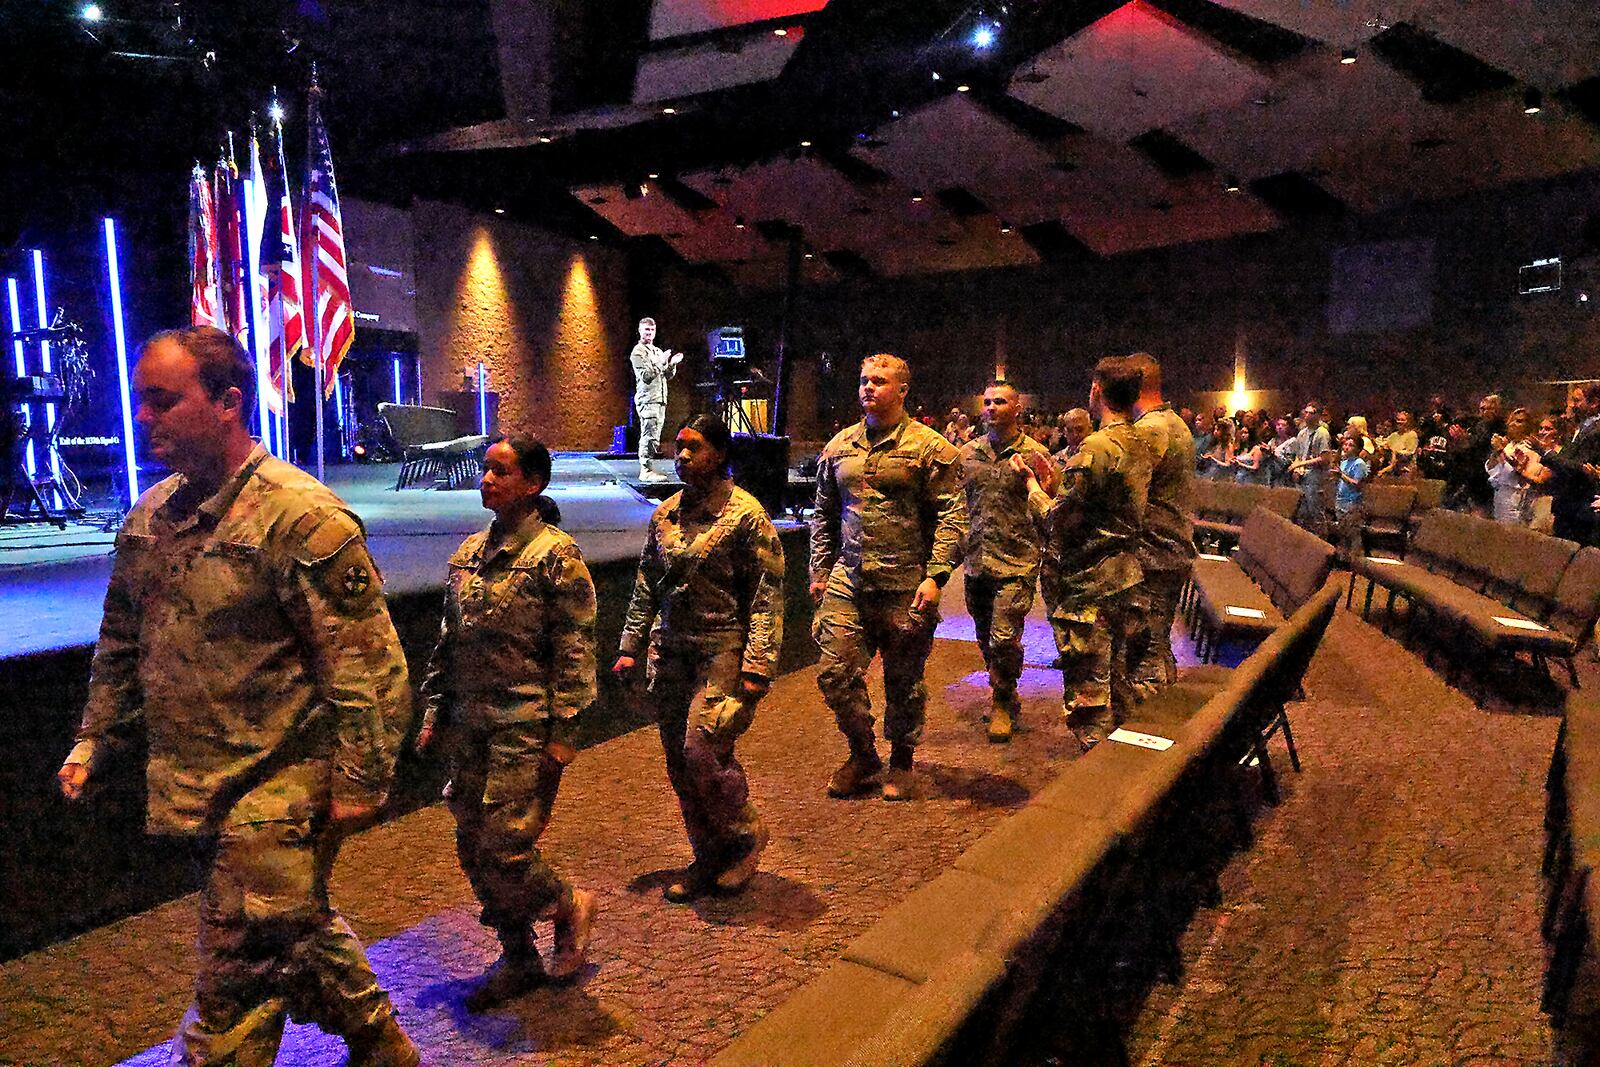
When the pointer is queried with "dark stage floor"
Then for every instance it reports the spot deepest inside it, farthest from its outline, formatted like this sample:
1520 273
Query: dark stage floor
52 581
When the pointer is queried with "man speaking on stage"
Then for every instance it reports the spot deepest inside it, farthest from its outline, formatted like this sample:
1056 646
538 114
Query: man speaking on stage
652 367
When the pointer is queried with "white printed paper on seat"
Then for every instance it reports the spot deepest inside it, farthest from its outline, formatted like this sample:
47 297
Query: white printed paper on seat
1246 613
1212 556
1134 737
1386 561
1519 624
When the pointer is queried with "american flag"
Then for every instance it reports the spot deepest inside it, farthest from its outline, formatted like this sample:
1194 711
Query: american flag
280 267
230 250
205 301
324 242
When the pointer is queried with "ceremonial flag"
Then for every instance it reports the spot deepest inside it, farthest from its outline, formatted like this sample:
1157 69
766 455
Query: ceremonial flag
205 300
280 260
230 251
261 237
326 284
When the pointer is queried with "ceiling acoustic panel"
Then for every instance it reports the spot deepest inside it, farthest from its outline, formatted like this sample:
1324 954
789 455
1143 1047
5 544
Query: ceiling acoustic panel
1548 43
1339 23
955 142
1135 70
680 18
706 67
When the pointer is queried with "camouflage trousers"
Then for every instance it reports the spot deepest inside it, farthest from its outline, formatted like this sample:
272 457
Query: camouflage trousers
852 626
700 713
501 794
999 609
1151 665
1092 638
270 945
651 418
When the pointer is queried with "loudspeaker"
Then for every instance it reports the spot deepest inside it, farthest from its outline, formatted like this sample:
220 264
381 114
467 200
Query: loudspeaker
761 468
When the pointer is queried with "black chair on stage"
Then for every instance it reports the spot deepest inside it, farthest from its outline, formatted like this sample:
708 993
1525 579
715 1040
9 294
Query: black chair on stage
430 449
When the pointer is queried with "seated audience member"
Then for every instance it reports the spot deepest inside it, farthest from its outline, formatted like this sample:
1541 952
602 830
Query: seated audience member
1216 463
1513 491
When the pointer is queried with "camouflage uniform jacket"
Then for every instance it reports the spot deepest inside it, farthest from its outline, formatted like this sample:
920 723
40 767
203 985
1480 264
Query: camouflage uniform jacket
723 588
1168 540
1003 540
890 513
649 380
516 644
248 631
1092 524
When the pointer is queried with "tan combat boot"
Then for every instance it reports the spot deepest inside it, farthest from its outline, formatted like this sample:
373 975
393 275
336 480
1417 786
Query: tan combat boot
384 1045
574 927
1002 720
858 774
900 780
738 876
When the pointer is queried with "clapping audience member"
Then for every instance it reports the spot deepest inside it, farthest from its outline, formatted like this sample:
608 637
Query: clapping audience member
1513 497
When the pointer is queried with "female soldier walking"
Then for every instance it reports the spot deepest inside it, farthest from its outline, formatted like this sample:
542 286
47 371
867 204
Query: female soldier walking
513 668
708 603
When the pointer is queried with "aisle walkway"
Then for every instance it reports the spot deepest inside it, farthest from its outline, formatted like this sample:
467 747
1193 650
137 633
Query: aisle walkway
1388 912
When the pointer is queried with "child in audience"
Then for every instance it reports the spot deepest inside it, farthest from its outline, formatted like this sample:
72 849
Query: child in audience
1347 494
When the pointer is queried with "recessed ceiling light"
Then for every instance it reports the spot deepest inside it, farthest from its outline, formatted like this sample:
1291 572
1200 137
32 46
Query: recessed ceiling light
653 176
1231 185
1532 102
669 111
544 138
738 222
1005 227
963 88
594 237
935 75
499 211
1348 56
780 32
810 256
805 144
916 198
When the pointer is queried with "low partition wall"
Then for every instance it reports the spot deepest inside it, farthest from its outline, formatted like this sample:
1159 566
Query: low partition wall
1104 866
70 868
1572 904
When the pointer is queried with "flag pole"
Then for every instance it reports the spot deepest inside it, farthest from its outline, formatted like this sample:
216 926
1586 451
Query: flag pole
309 299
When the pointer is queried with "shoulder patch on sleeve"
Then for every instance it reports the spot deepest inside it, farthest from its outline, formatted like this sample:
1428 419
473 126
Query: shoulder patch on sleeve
321 533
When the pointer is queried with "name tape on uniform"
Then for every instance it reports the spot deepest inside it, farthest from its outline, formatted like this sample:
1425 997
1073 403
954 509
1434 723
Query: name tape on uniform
1134 737
1246 613
1519 624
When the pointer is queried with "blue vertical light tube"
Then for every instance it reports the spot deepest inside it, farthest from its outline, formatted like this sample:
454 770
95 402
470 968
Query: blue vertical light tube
397 393
483 399
44 360
22 362
338 411
114 271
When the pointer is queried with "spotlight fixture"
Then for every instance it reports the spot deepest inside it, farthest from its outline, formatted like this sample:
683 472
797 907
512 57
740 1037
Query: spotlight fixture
1348 56
275 112
92 13
963 88
780 32
935 75
1532 102
983 36
894 114
669 111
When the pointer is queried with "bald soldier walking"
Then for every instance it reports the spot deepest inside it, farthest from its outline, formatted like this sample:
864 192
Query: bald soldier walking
1003 546
245 627
885 539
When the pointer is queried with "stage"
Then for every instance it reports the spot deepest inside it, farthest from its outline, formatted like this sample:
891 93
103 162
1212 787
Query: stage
52 581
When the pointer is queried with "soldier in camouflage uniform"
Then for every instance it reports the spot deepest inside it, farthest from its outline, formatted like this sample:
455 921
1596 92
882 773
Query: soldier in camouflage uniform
245 627
1002 547
652 367
1076 425
1166 543
513 667
885 538
1092 529
708 605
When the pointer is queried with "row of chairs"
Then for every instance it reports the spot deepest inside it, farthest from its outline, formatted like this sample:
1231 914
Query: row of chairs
1571 919
1276 568
1052 897
1496 587
1391 511
1221 508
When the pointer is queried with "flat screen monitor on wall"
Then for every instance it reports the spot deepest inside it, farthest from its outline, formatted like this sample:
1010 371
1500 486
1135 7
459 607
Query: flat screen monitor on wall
1380 286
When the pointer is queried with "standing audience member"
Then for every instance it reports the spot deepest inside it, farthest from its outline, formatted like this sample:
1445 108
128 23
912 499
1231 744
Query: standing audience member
513 668
1216 463
707 608
1283 450
1577 469
1347 495
1002 547
1313 457
885 537
1513 493
1401 445
1093 529
1480 444
1252 458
